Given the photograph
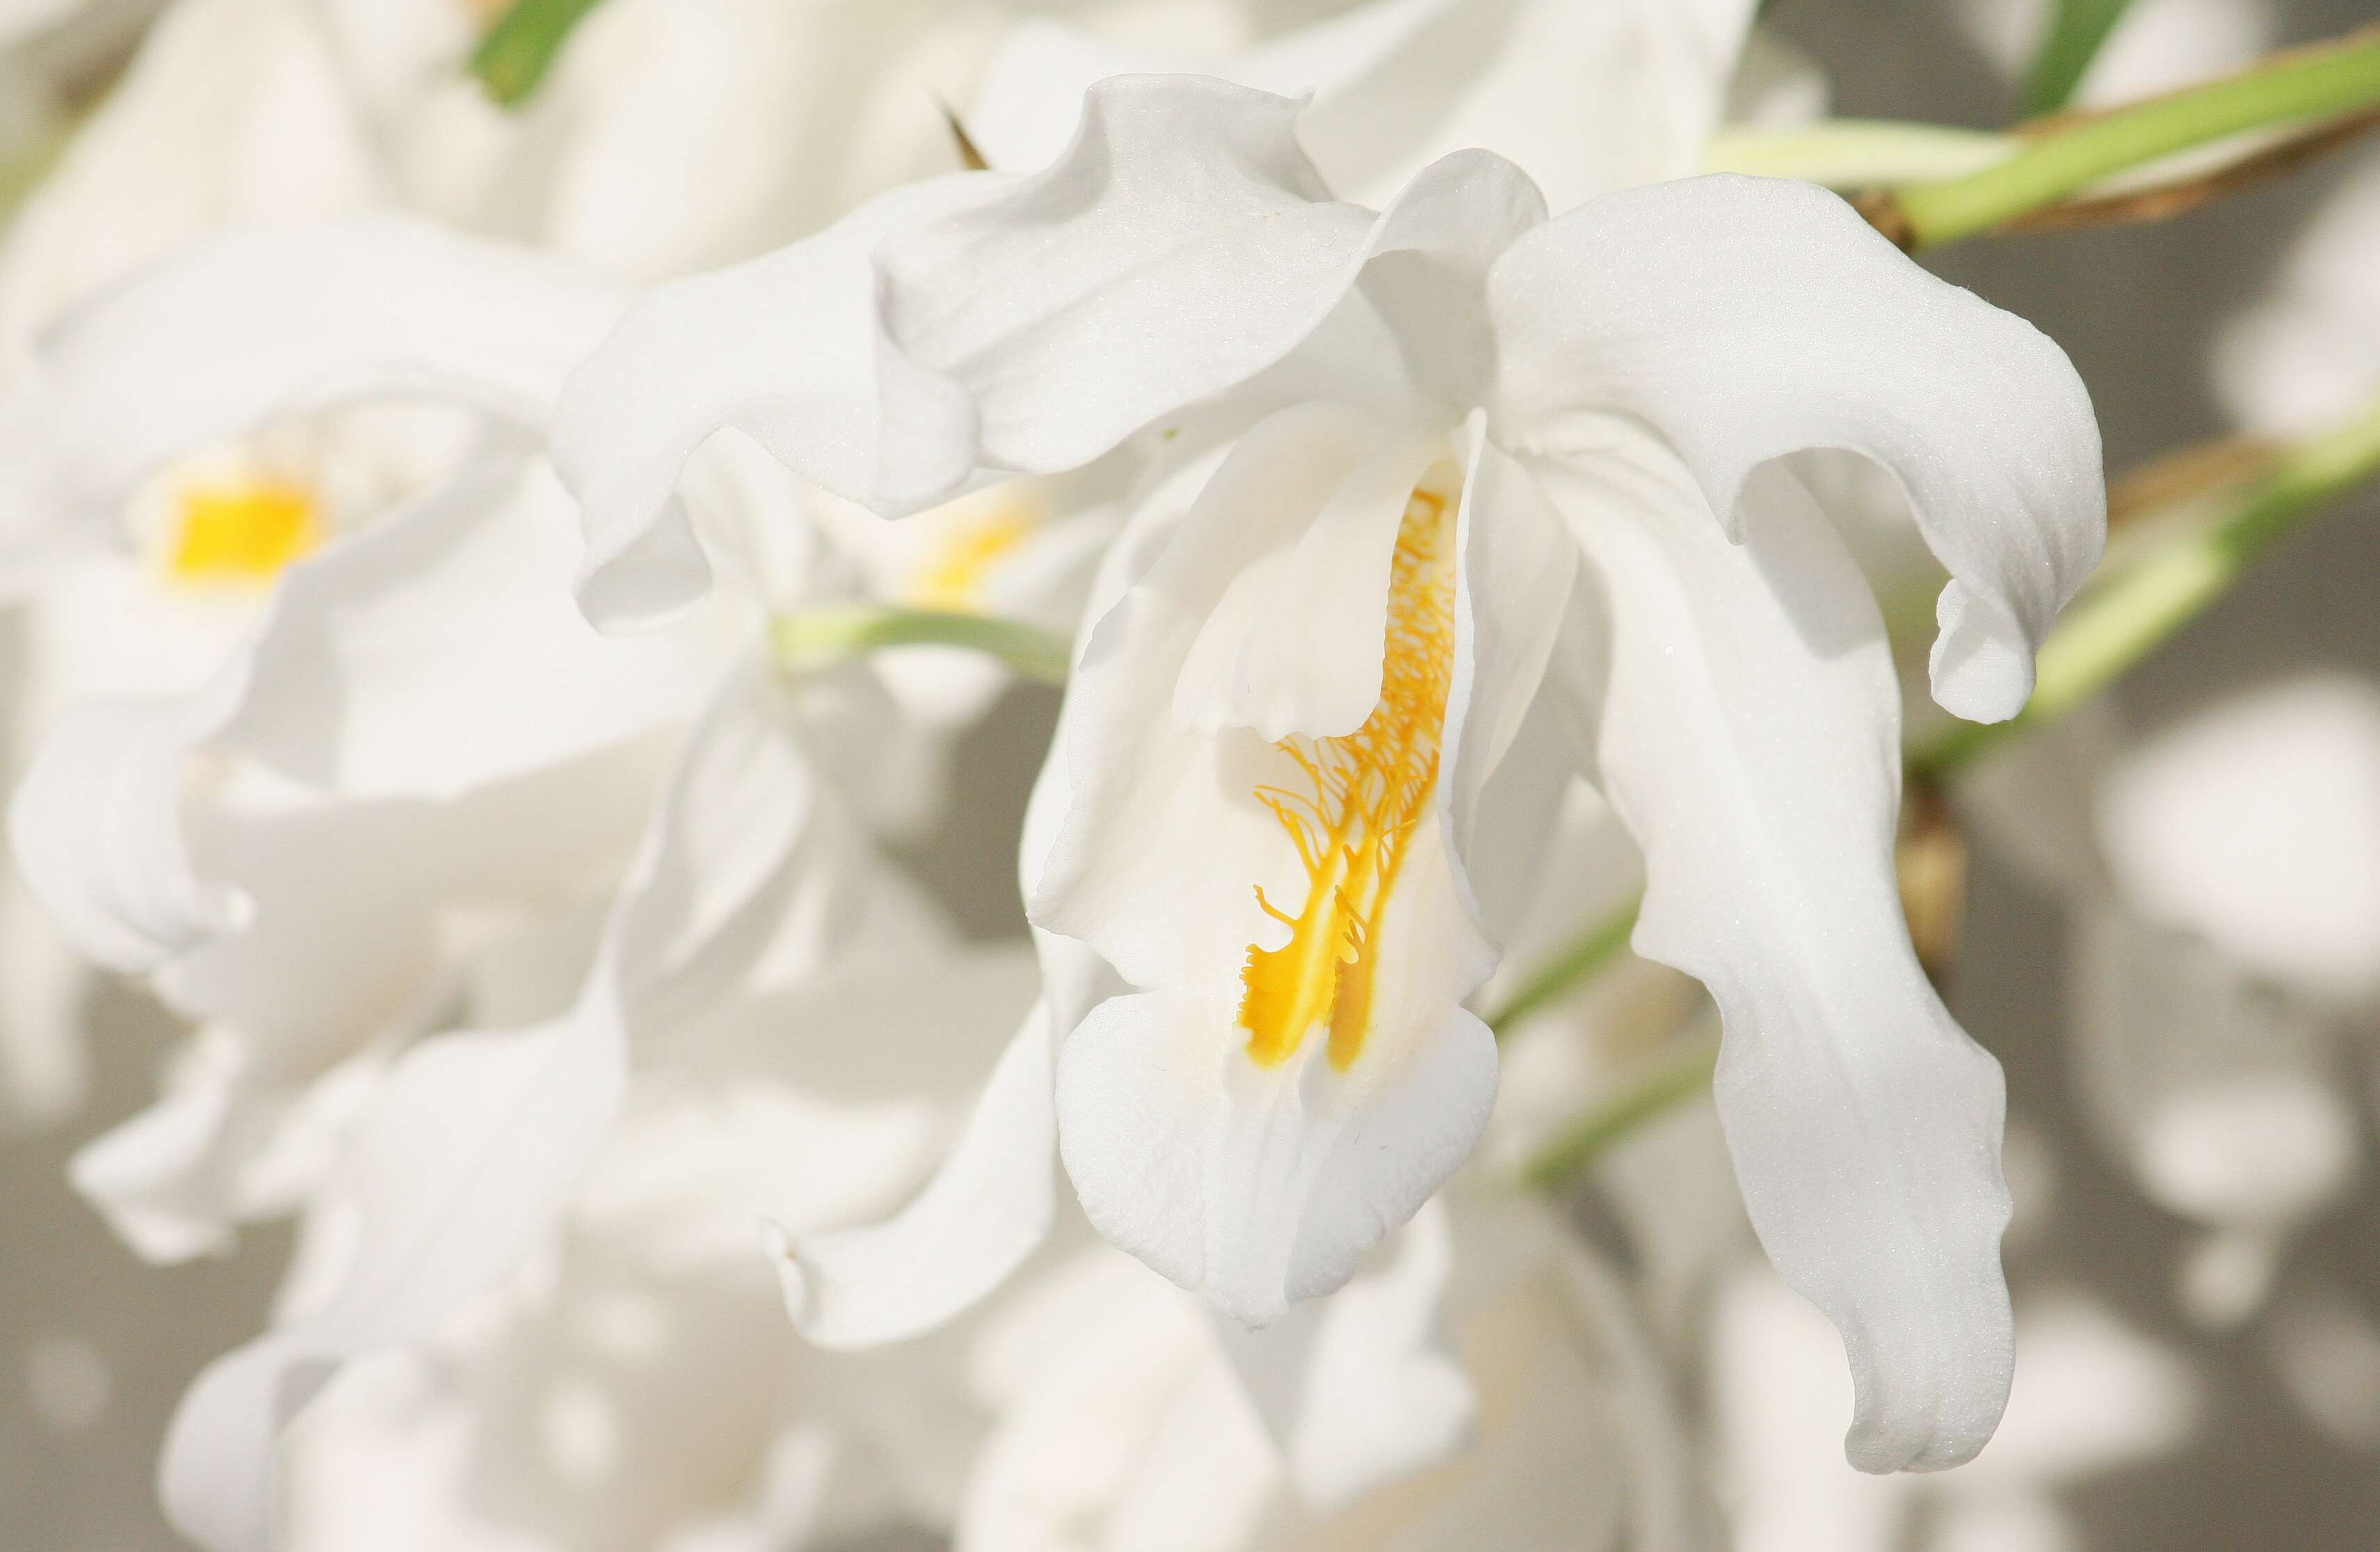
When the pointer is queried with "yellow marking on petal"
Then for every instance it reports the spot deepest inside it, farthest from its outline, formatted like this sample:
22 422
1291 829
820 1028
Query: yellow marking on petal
241 531
1353 818
962 558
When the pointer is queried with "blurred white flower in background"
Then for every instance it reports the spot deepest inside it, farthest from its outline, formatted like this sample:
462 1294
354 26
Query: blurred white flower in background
2220 879
2308 350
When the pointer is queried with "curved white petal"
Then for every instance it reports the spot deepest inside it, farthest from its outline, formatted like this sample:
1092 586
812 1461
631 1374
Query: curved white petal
984 1210
404 660
1586 97
1183 245
236 1136
1746 319
1519 566
390 666
95 827
1748 734
466 1159
785 347
261 324
1029 98
472 1150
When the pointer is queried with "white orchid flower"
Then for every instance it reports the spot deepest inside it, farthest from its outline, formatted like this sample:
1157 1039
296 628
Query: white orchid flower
1463 429
1260 829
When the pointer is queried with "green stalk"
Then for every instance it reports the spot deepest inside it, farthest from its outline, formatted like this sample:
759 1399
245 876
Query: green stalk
1855 153
1678 1076
2074 39
2059 161
819 638
2118 623
522 46
1574 965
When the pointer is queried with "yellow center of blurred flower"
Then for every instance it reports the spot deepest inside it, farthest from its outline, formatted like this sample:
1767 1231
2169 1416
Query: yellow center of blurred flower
1354 816
955 568
242 530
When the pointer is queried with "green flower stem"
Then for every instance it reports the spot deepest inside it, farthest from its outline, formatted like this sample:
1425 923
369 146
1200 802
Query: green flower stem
2076 32
1679 1076
1601 943
522 46
2058 161
2118 623
1856 153
819 638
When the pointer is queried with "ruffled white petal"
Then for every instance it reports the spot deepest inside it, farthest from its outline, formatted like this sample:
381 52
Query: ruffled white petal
1745 319
1747 734
1183 245
784 348
984 1210
1028 100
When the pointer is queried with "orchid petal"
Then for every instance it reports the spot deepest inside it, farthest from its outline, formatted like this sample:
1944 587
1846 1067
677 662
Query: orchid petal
454 608
1399 84
784 347
95 827
1747 319
257 326
985 1209
474 1147
1748 735
389 666
468 1156
1028 100
1184 236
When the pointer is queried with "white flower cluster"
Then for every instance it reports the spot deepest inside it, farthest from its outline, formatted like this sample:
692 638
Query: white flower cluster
512 598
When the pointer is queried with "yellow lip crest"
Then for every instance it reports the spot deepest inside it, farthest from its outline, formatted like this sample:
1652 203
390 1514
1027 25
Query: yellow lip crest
1354 816
243 533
